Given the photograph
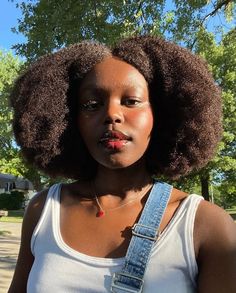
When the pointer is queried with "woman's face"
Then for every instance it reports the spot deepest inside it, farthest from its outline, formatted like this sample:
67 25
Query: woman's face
115 117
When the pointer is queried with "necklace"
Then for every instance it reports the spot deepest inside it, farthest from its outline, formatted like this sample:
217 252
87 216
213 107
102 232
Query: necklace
101 212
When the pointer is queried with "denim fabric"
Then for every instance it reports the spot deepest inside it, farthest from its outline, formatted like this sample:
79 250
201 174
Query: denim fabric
145 234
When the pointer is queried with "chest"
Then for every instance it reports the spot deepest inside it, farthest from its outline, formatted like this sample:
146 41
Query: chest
172 257
108 236
80 274
77 274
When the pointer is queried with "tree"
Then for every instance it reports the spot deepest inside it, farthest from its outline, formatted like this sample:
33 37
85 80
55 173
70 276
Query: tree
9 68
11 160
107 20
222 59
189 23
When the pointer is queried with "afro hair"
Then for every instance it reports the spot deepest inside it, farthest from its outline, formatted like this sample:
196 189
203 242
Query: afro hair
185 100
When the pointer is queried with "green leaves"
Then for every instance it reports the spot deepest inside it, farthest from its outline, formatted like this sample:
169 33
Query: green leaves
221 57
50 25
206 27
9 69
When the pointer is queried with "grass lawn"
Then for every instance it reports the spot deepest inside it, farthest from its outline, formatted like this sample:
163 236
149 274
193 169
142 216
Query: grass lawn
13 217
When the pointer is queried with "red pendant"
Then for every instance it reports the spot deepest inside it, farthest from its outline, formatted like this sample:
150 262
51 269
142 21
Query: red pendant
100 214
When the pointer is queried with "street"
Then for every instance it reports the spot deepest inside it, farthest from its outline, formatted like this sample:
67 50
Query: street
9 247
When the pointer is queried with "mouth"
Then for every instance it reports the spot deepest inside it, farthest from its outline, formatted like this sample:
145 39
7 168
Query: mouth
114 139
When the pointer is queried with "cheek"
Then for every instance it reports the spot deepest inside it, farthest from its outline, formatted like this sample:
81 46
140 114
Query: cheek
83 124
143 121
86 121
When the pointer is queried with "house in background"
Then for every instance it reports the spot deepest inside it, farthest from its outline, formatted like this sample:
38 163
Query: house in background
9 183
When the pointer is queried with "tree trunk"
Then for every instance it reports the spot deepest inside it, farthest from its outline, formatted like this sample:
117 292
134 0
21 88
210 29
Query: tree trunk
37 185
205 186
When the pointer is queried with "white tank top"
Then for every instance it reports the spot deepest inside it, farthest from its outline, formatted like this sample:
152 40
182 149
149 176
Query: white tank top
58 268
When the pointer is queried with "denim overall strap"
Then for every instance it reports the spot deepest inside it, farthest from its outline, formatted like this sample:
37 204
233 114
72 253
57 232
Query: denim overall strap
145 234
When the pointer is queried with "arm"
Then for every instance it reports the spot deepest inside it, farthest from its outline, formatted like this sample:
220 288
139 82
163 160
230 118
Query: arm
215 235
25 257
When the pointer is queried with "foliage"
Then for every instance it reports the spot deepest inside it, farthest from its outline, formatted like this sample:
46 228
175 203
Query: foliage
206 27
9 68
227 190
222 60
14 216
108 20
11 161
12 201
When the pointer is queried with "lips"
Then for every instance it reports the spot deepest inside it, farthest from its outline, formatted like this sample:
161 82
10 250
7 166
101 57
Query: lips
114 139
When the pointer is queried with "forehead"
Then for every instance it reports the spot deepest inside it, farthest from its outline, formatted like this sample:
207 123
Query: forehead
113 72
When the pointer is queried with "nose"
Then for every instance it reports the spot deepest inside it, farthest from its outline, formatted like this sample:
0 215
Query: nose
113 113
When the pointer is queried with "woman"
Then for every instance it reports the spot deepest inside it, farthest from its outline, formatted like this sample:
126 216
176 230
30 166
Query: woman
112 119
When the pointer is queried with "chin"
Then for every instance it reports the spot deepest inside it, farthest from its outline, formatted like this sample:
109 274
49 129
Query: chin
117 164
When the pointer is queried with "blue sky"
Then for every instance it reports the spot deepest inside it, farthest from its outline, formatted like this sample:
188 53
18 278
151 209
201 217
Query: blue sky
8 19
9 15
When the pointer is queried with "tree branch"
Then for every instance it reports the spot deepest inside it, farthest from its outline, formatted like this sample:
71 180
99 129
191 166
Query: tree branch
219 6
139 8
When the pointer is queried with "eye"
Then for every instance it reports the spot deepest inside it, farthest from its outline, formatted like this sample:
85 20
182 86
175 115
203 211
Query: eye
90 105
131 102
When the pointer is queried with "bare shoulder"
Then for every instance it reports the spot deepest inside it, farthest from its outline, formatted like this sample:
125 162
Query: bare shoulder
32 215
25 259
215 237
35 207
214 225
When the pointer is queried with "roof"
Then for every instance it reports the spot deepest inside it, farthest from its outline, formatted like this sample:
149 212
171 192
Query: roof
20 183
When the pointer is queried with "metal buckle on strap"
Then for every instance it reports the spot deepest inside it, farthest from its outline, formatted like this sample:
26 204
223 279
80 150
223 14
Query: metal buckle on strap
115 280
142 235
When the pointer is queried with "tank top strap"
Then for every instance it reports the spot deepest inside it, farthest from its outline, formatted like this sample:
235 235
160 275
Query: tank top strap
191 205
53 193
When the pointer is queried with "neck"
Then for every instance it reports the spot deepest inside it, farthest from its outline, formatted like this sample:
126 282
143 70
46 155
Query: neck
123 181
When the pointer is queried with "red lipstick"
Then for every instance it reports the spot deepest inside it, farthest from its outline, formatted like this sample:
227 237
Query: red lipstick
114 139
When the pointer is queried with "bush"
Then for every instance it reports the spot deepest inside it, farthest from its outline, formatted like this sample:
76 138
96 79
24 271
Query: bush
11 201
